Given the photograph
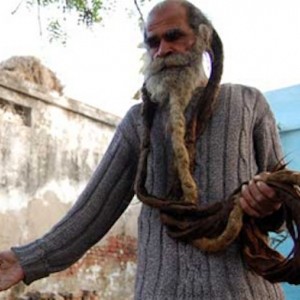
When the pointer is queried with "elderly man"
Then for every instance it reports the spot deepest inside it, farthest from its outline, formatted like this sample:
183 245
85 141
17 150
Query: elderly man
203 139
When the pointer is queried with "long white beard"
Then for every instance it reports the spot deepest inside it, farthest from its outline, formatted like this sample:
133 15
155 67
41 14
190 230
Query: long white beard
176 82
175 75
173 80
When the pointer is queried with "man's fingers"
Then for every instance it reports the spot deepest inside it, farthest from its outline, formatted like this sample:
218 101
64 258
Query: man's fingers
248 209
252 197
267 191
258 199
11 271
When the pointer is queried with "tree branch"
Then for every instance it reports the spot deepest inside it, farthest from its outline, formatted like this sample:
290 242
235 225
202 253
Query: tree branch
39 19
17 8
139 11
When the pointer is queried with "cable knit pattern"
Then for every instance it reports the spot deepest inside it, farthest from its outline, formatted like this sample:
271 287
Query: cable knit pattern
240 141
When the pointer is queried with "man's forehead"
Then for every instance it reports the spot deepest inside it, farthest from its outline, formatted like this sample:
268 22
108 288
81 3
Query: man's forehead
171 12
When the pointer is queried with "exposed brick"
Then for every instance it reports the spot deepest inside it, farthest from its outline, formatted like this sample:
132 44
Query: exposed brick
117 249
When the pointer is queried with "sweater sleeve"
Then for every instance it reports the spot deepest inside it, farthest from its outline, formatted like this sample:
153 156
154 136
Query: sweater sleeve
267 144
268 154
101 203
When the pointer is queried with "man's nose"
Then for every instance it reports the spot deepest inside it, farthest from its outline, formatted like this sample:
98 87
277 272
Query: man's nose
165 48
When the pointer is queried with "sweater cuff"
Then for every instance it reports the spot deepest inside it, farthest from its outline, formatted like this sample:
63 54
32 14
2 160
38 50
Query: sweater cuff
32 260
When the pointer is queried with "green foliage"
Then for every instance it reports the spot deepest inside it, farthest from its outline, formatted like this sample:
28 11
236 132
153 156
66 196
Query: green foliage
88 13
56 32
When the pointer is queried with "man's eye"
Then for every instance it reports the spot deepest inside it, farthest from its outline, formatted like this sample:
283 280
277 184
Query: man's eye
173 35
152 42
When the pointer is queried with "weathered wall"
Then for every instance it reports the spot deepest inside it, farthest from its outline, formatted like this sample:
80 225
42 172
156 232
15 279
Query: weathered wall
49 146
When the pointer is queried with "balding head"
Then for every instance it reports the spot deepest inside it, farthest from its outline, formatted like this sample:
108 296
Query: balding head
194 15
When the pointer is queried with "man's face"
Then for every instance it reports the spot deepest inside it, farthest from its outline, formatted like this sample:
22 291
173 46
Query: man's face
174 54
168 31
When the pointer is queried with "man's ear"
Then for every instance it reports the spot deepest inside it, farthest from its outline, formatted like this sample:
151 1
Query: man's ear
205 33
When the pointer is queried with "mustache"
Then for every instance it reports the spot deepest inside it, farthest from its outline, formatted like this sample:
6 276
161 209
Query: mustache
175 60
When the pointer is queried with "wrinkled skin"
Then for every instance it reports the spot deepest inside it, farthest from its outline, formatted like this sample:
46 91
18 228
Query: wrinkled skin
258 199
11 271
168 32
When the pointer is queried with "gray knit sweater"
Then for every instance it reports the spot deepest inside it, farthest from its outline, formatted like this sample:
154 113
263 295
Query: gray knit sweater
240 141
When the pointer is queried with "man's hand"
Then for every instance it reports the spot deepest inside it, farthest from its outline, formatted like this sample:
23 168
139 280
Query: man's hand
11 271
258 199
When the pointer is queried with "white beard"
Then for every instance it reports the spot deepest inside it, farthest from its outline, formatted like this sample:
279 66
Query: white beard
176 75
176 81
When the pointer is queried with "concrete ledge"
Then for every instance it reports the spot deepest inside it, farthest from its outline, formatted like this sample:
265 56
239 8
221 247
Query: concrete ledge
9 82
